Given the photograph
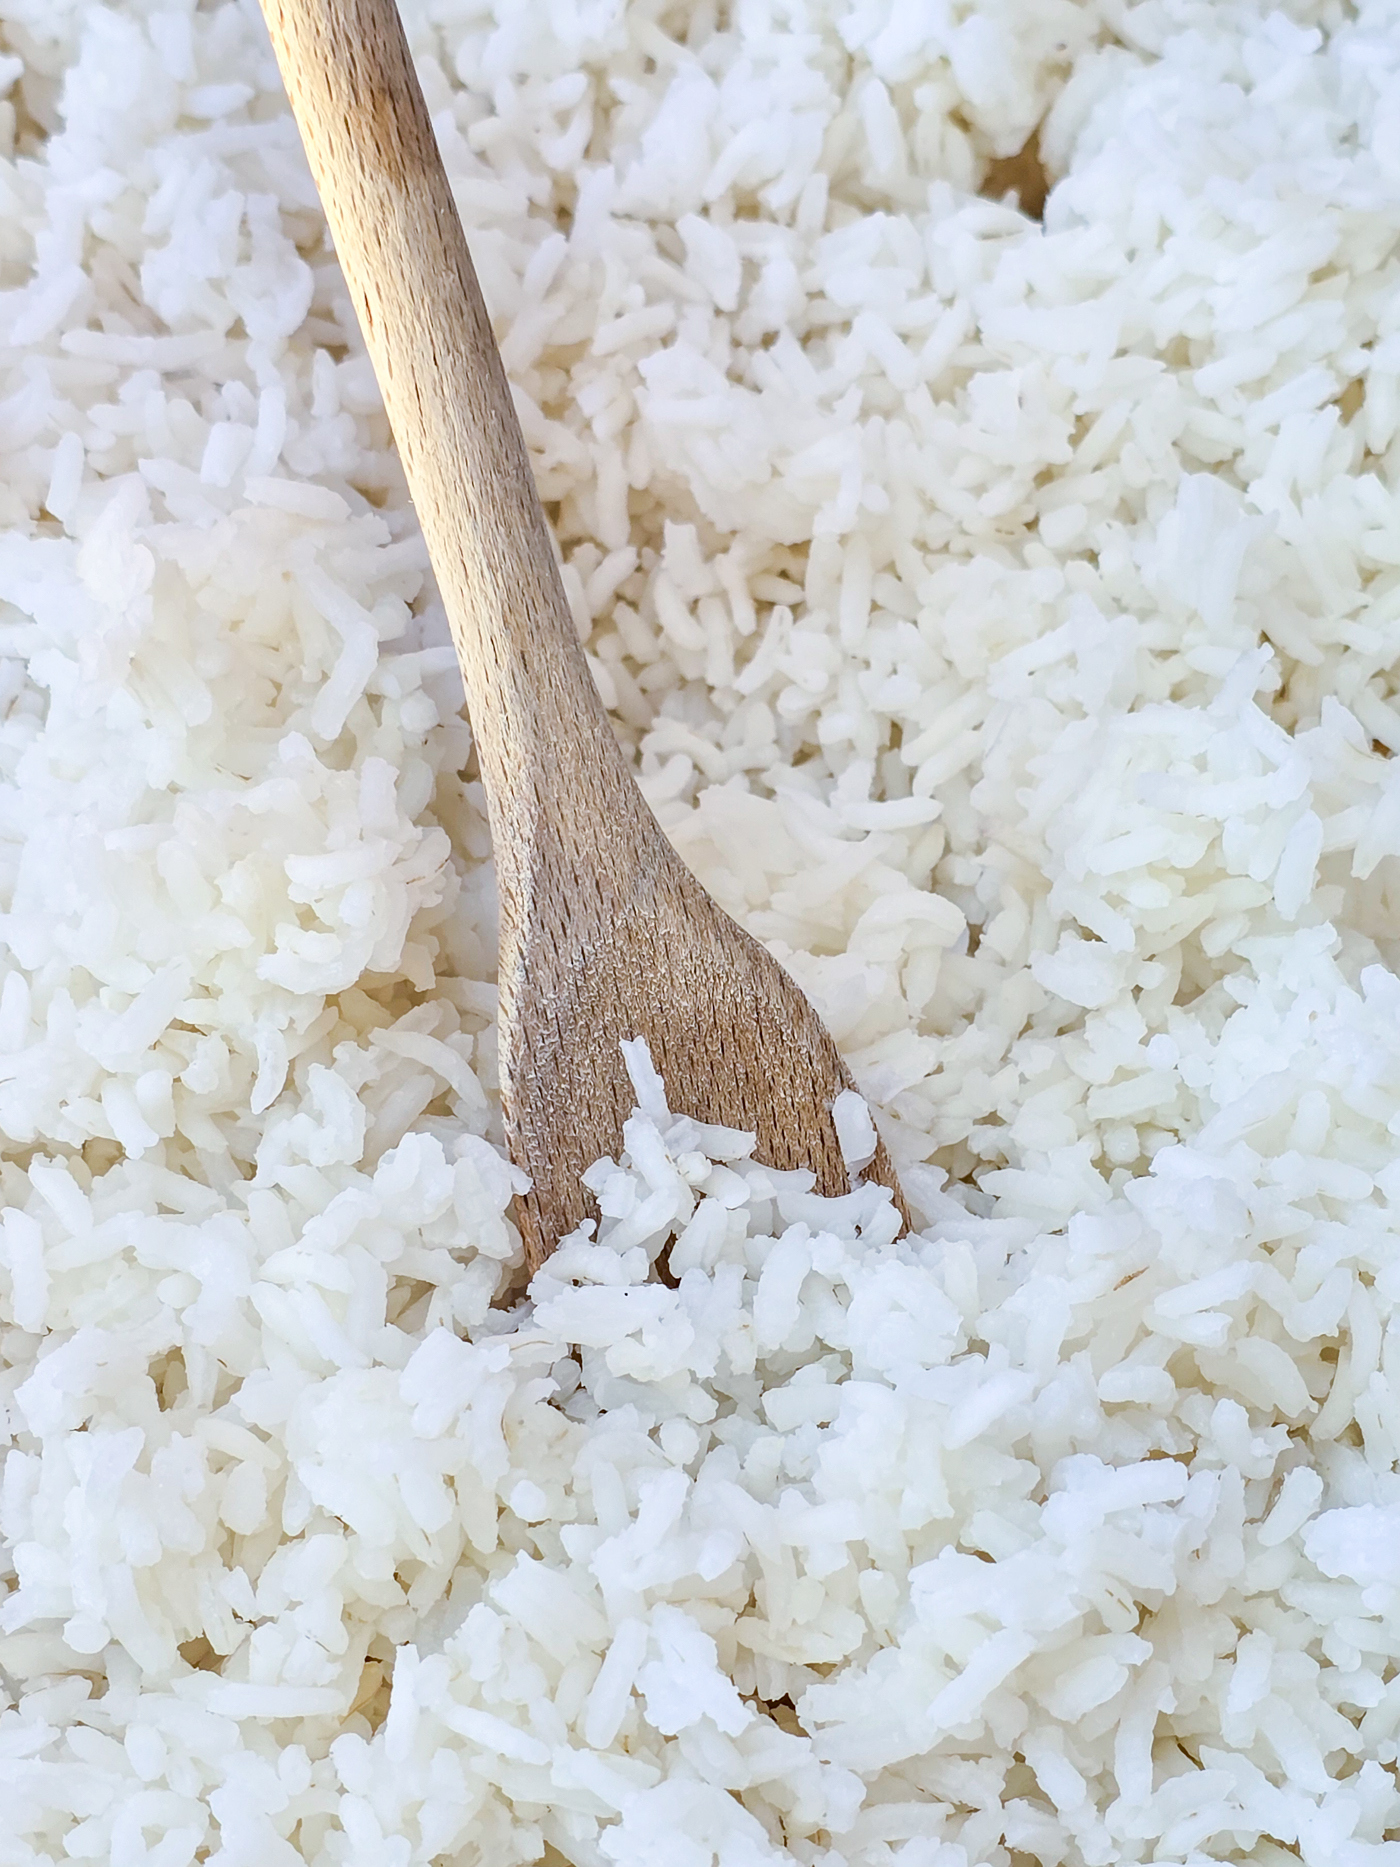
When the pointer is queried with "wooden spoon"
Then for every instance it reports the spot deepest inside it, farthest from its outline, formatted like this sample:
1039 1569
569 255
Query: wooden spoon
605 934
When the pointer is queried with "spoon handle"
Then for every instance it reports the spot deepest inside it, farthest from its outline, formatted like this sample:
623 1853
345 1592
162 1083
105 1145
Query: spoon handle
544 742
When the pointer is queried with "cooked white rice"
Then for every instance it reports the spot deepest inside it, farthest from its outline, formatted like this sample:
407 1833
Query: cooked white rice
1006 620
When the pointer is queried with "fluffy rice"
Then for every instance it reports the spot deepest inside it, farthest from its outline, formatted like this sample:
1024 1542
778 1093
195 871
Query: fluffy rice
1005 619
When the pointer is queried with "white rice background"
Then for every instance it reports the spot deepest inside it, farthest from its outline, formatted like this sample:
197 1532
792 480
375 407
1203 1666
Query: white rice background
1005 619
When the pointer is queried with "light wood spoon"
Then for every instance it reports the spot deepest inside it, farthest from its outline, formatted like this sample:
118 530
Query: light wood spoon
605 934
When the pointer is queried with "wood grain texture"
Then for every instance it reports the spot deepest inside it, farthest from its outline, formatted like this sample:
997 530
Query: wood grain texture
604 933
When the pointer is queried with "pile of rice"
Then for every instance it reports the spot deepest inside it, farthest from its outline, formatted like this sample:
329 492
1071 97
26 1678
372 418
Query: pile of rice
1005 619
